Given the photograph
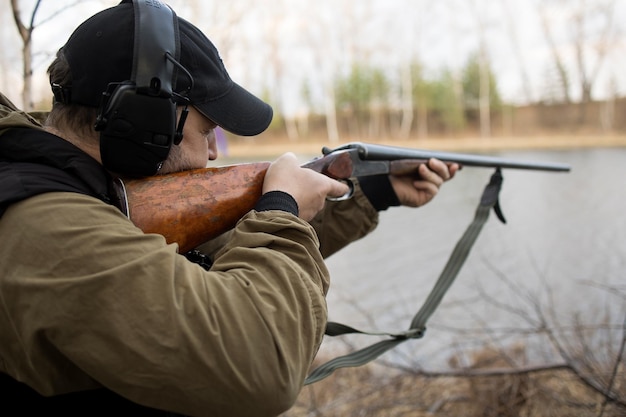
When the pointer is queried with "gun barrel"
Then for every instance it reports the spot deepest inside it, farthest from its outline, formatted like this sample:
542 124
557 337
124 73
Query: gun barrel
374 152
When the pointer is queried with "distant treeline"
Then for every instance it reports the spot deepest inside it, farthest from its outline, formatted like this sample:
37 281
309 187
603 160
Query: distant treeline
595 117
366 103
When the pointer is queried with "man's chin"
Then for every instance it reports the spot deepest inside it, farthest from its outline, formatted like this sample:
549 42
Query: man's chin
177 164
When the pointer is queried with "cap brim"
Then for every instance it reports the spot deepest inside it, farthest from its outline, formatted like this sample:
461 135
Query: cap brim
238 112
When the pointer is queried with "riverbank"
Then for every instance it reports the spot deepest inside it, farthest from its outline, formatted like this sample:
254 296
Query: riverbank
552 267
270 146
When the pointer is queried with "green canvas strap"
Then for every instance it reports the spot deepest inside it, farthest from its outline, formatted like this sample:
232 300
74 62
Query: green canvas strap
417 328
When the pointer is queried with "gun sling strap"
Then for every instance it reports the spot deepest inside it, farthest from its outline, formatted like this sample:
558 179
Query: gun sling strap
488 201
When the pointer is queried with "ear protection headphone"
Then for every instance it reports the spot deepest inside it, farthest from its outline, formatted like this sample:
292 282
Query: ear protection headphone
137 118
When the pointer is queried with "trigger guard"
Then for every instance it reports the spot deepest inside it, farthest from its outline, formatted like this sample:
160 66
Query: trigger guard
347 195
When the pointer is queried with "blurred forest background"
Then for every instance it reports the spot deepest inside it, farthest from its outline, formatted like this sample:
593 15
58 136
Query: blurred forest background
538 72
373 69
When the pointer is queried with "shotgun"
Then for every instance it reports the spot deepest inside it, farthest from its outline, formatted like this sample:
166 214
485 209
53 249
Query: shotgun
192 207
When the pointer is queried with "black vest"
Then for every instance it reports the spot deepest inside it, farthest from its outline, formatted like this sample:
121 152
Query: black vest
34 162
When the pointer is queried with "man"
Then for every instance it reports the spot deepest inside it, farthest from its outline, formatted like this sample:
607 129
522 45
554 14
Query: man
98 317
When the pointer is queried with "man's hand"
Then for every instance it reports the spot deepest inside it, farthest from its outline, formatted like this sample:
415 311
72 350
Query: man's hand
414 192
307 187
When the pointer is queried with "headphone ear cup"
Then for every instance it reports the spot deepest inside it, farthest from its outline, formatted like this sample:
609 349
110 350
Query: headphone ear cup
137 131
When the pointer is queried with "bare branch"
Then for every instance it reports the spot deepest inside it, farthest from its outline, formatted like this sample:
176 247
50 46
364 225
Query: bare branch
21 27
618 360
511 26
54 14
32 16
558 62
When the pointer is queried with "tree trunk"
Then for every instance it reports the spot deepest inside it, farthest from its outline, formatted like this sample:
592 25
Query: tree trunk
330 109
27 74
26 35
484 96
560 67
407 101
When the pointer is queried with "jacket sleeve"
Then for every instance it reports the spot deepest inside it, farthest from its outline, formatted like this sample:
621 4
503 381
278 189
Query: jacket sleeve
343 222
337 225
107 304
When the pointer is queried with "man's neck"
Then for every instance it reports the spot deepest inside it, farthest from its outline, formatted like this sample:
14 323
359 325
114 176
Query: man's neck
88 145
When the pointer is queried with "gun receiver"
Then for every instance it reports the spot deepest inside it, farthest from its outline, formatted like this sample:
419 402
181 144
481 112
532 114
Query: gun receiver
192 207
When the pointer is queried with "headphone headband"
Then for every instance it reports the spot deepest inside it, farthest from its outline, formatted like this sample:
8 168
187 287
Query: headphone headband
153 41
137 118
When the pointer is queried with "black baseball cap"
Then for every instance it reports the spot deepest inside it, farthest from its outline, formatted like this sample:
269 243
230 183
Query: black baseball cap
100 52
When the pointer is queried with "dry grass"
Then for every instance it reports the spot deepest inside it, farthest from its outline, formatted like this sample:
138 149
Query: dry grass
489 391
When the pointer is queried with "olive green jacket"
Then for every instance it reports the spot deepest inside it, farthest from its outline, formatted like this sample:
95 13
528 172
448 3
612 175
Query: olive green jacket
88 300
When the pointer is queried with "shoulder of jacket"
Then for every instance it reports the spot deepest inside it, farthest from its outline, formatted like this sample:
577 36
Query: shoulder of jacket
11 116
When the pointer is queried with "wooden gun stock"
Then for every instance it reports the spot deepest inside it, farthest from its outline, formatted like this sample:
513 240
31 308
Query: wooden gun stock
192 207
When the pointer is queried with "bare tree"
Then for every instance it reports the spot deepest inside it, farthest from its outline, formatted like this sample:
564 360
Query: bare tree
583 42
26 29
556 54
417 13
278 22
516 49
591 38
483 62
406 86
323 36
6 25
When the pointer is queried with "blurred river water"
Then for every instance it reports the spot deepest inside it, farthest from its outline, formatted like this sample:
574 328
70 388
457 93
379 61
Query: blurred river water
560 261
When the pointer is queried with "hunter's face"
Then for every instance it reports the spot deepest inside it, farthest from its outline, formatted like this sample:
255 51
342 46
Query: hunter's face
197 147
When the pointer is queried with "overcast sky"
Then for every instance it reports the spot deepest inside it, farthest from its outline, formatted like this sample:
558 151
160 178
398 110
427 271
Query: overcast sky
283 44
